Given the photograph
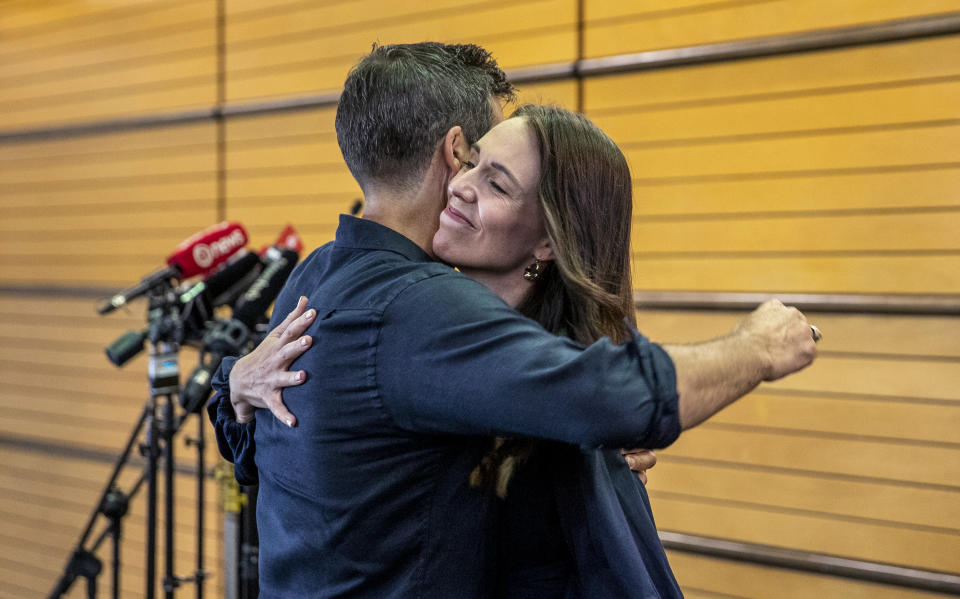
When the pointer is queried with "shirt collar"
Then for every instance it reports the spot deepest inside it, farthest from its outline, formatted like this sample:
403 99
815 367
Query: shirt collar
362 234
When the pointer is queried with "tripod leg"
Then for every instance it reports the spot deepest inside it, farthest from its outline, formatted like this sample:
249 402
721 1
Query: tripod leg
153 449
201 476
169 581
116 559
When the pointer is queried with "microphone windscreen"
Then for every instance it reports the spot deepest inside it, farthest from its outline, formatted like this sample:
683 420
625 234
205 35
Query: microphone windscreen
234 272
254 302
205 251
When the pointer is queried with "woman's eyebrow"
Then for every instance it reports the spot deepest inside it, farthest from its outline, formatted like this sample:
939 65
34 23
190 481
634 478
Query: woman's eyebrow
497 165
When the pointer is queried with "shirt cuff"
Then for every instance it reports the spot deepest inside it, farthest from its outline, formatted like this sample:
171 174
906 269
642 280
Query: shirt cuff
659 371
234 440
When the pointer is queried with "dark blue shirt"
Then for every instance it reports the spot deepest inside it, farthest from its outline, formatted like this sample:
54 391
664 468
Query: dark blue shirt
413 368
576 524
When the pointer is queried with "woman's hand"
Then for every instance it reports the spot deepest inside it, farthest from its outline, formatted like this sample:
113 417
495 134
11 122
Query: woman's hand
640 460
258 379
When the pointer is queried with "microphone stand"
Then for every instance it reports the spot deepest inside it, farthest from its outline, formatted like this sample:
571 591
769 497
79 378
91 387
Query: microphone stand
165 332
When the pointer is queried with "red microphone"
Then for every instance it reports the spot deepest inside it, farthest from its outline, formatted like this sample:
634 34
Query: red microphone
288 239
204 252
200 254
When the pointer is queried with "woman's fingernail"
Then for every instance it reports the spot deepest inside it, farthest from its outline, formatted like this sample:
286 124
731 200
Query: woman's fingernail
299 376
289 421
303 341
309 313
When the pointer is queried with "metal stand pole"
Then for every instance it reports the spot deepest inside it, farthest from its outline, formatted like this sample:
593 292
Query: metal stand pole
201 447
150 473
170 581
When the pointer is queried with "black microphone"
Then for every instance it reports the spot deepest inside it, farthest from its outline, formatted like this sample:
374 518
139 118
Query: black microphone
197 304
200 254
220 289
230 338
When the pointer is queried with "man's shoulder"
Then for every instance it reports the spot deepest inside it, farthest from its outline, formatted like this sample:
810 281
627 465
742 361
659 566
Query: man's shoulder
373 278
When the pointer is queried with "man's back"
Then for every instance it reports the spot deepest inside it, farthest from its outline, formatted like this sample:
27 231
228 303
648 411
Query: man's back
350 503
413 369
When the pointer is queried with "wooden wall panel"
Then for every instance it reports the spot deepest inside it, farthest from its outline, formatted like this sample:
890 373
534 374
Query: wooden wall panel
103 210
784 169
81 61
42 523
56 384
293 48
287 168
820 172
622 27
711 578
858 455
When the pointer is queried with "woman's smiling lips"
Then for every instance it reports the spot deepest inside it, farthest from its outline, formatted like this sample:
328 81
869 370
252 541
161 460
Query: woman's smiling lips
458 216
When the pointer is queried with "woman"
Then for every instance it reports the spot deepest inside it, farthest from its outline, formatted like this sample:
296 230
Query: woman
540 214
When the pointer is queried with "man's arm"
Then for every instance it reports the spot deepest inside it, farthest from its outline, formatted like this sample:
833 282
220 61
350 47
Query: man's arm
770 343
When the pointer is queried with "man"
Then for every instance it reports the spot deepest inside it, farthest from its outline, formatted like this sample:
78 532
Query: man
418 366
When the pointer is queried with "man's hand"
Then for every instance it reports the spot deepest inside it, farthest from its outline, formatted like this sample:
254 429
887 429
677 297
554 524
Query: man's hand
640 460
783 335
258 379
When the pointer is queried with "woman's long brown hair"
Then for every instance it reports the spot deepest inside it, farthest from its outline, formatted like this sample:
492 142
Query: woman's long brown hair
585 194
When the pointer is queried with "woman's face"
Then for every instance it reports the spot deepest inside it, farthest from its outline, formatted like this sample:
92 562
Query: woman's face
492 221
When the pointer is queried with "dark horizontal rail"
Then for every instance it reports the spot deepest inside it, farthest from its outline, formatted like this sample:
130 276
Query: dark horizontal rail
90 454
902 305
825 39
893 305
876 572
860 35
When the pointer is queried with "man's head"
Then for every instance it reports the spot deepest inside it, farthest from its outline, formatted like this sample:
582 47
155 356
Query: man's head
399 102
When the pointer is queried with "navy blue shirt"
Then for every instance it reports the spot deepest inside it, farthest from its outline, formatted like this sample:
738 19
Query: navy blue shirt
413 368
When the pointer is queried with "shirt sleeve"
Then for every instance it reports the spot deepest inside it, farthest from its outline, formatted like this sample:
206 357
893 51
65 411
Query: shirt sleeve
454 358
234 440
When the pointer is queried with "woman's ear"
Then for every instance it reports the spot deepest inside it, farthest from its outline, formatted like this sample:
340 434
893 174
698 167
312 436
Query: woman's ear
544 251
455 146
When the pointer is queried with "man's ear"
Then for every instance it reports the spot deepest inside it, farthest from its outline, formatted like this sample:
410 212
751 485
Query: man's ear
455 147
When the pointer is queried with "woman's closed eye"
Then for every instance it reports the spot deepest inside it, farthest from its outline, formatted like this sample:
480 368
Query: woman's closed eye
497 188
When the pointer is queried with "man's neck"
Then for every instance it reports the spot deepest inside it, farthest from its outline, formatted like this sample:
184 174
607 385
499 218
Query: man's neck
414 214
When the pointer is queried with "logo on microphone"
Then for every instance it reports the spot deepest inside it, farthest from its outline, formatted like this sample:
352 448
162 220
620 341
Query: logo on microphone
204 255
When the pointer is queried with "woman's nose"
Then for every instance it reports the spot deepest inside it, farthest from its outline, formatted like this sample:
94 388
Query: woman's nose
462 189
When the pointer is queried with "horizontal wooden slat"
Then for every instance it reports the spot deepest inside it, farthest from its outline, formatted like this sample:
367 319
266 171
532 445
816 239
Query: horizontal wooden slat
712 578
19 95
814 152
807 74
801 274
924 101
618 31
562 93
197 93
860 540
853 499
902 231
274 65
828 413
846 456
93 29
121 145
78 59
886 191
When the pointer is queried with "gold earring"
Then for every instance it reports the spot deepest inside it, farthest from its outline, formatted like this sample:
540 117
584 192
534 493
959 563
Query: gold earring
533 272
